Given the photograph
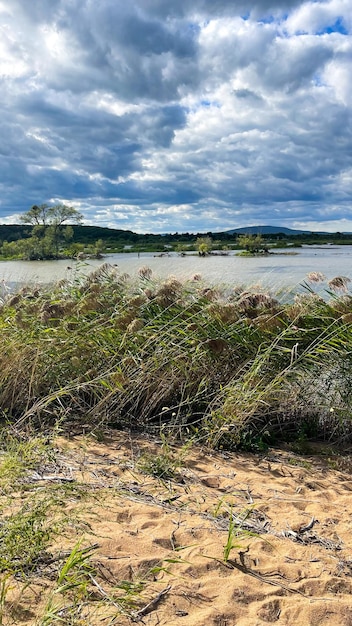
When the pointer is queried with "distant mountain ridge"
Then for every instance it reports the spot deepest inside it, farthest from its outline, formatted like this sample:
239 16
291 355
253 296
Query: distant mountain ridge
271 230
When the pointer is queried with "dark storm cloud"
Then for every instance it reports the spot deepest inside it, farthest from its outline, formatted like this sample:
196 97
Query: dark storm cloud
177 115
134 55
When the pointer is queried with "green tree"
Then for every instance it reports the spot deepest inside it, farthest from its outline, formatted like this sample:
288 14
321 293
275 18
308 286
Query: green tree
10 249
37 215
252 243
48 230
181 248
98 248
204 245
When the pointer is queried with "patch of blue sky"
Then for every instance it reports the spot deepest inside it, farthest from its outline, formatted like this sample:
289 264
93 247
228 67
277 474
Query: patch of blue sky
210 103
269 19
274 19
337 27
318 81
194 27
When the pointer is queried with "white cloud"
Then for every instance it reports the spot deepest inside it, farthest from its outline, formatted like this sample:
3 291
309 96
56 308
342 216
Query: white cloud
338 75
171 116
317 17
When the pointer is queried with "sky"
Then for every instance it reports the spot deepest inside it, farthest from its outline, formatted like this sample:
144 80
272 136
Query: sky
168 116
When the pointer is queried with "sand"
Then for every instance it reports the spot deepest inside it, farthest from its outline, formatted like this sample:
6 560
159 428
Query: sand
160 543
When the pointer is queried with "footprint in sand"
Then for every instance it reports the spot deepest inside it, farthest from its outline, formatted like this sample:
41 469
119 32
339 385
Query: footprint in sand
152 522
270 611
123 516
163 542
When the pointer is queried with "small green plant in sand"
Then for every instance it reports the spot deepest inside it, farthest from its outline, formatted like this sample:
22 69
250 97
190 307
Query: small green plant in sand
20 454
166 463
78 597
72 590
236 534
239 532
33 514
127 594
5 587
26 524
296 462
24 537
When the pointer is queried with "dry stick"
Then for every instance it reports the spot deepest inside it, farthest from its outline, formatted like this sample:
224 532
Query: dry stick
173 539
103 592
151 605
304 529
61 479
173 534
245 570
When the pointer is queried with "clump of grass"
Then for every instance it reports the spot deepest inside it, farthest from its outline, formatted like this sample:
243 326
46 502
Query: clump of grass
108 349
78 597
164 464
236 534
72 590
19 454
159 465
24 537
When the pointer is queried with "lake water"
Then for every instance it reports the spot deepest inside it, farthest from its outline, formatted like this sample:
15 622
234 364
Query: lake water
279 271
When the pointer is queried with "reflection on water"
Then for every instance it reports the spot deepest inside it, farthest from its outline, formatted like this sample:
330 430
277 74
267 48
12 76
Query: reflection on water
276 271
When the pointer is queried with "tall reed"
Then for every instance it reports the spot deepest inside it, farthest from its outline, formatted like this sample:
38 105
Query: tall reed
227 366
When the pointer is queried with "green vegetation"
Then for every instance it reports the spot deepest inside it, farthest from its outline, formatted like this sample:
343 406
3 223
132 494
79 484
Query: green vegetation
48 234
73 582
236 534
253 244
230 368
43 511
204 245
31 518
165 464
56 232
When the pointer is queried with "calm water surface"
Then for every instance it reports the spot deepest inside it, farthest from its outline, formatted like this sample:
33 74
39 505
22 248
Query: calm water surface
279 271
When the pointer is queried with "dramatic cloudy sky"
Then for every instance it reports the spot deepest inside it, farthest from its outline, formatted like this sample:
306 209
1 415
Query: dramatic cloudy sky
178 115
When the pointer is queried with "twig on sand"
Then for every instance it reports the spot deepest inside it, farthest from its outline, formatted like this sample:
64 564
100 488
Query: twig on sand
301 536
233 564
304 529
102 591
148 608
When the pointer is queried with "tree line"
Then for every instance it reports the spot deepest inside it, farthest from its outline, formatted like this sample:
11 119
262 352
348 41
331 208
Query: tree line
54 232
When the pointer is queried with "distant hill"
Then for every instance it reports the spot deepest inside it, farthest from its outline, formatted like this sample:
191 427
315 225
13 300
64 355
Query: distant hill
117 237
269 230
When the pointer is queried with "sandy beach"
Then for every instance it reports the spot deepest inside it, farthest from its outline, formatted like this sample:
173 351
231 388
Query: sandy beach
159 545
